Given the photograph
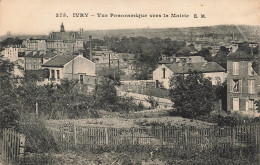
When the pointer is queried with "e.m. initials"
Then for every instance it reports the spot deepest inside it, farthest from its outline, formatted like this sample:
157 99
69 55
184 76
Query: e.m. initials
201 15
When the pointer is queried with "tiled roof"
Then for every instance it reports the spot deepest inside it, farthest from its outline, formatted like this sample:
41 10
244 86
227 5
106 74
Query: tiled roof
59 61
180 68
34 55
165 61
239 55
49 54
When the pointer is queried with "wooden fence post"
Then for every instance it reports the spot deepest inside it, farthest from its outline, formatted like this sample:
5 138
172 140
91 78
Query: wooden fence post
186 136
162 136
132 131
21 146
256 135
75 135
233 136
106 135
3 145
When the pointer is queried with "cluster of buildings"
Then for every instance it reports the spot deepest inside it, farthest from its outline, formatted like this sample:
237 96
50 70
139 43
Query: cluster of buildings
61 54
242 76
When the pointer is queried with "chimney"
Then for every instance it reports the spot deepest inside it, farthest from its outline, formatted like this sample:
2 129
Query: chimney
90 48
80 54
81 31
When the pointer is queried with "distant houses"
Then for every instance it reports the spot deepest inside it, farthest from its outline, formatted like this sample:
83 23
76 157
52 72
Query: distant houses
163 73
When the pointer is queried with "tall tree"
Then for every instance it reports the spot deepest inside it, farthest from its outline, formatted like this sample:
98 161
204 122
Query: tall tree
9 113
193 95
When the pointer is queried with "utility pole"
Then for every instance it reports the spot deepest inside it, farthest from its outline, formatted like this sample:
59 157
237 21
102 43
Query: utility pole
36 110
118 66
109 60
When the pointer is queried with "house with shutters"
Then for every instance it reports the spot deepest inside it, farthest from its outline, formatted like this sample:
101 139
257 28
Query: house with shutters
242 82
164 72
71 67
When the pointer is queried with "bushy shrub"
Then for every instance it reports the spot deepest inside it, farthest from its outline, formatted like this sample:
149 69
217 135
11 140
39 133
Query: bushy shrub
38 138
229 119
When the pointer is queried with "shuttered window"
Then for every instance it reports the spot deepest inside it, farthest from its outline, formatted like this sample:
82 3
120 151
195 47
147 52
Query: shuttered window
251 104
250 69
235 85
251 86
235 68
235 104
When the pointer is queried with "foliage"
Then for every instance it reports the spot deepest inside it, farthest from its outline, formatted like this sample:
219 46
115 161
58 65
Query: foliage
38 138
192 95
205 53
221 57
247 49
225 119
142 73
36 75
106 93
56 101
11 41
148 51
9 112
112 73
185 51
221 93
154 103
106 98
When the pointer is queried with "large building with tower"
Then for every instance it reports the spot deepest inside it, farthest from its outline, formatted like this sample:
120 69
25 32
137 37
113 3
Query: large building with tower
63 41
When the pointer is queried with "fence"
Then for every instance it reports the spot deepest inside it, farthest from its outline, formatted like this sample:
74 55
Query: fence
12 146
70 136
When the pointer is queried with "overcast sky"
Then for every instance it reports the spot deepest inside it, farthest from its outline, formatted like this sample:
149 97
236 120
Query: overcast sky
39 16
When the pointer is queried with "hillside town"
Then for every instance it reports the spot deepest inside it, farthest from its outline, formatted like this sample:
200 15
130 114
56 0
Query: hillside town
126 87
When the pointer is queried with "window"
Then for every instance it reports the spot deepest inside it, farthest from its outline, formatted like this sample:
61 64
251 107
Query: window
52 74
251 86
235 85
81 79
235 104
251 104
235 68
58 74
250 69
163 73
34 66
157 84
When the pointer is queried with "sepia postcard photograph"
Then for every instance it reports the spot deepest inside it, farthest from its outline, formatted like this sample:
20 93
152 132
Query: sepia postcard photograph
129 82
